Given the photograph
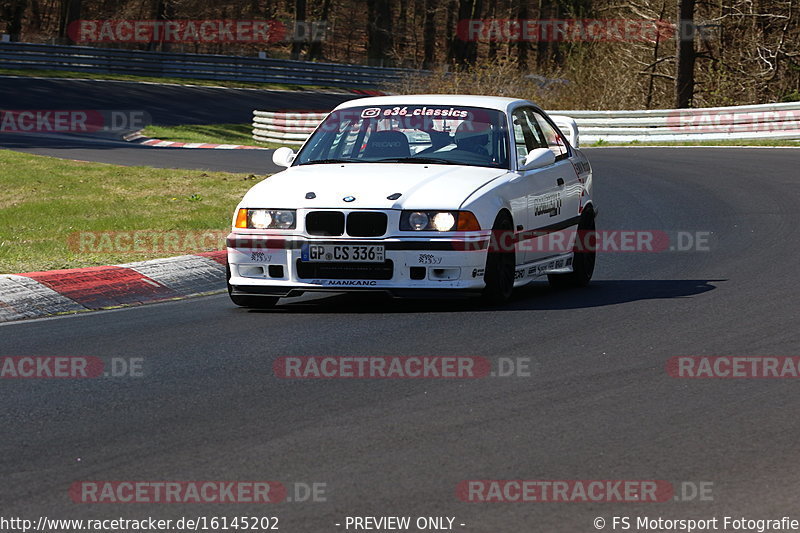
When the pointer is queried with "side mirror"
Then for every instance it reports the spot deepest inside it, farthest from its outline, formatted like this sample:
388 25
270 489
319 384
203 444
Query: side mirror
569 127
283 156
538 158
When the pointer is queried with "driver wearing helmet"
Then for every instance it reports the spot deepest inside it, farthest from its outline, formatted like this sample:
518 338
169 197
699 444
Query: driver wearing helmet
473 137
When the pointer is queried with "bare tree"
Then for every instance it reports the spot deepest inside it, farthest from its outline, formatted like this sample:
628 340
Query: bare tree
379 31
465 52
429 33
11 12
70 12
684 72
729 52
299 18
162 10
315 49
522 44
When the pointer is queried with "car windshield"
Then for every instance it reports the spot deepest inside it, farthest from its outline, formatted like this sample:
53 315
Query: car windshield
424 134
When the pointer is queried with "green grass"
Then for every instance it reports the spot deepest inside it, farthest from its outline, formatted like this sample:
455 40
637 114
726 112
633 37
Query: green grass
208 133
45 204
743 142
154 79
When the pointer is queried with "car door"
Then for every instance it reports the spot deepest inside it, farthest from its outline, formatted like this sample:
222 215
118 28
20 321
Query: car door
519 187
546 187
572 187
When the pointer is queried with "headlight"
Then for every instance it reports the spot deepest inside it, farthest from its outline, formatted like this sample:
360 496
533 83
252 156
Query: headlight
259 218
443 221
438 221
418 221
266 219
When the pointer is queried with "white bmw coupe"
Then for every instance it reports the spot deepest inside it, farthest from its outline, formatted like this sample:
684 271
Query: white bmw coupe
432 194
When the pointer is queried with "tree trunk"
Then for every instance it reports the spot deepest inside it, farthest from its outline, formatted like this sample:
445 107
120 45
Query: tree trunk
12 15
684 75
651 81
492 14
379 32
70 12
466 52
450 29
315 49
542 45
163 10
522 44
36 16
429 33
299 17
401 40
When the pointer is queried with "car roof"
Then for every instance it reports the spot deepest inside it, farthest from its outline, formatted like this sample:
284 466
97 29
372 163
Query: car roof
488 102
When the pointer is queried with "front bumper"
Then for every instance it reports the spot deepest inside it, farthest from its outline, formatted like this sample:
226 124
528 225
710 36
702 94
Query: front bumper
273 265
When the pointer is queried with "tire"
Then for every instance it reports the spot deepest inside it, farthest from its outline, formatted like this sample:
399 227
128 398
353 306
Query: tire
253 302
582 261
500 265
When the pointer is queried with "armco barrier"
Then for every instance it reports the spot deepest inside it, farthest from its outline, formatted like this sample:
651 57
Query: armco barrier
768 121
196 66
286 128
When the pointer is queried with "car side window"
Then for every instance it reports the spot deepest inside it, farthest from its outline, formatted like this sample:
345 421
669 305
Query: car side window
552 138
525 137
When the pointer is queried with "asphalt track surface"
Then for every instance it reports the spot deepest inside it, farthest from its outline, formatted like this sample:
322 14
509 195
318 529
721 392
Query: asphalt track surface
168 105
599 404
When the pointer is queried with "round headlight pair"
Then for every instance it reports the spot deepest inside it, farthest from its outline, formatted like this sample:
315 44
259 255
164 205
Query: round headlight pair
267 219
443 221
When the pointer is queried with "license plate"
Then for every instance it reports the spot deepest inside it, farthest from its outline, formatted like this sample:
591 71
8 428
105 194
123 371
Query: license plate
342 253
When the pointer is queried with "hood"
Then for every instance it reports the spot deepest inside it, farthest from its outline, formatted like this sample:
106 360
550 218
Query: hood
420 186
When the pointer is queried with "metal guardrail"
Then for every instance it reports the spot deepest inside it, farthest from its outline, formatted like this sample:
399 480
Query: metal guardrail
286 128
197 66
752 122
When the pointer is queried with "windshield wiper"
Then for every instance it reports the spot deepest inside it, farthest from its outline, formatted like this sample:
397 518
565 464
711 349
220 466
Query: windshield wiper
325 161
423 160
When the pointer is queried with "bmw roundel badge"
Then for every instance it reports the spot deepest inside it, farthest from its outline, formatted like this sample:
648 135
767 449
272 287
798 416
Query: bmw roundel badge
349 198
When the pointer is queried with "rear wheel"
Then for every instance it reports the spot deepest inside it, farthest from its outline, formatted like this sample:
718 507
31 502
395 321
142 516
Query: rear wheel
500 262
583 259
253 302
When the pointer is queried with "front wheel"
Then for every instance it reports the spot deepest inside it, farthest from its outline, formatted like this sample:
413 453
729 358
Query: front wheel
583 259
500 262
253 302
